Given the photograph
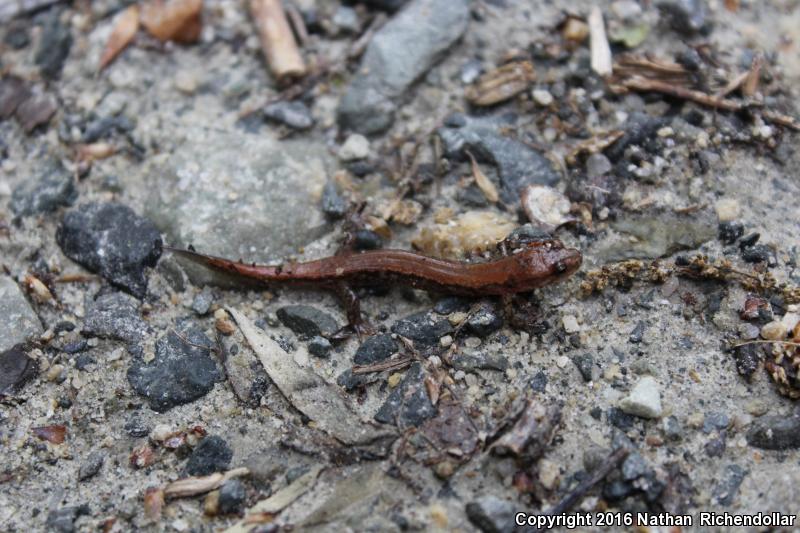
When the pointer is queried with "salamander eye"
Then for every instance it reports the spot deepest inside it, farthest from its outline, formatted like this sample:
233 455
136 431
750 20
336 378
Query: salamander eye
560 266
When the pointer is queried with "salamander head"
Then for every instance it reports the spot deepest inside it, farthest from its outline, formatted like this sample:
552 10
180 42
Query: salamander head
545 263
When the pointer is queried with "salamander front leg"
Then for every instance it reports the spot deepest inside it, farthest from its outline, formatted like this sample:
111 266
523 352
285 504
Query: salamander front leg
352 306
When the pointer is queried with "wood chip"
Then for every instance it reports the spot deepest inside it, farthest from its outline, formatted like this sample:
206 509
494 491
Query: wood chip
192 486
173 20
55 434
277 40
125 28
501 84
601 51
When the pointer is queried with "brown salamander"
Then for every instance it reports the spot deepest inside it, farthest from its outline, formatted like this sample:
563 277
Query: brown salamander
533 265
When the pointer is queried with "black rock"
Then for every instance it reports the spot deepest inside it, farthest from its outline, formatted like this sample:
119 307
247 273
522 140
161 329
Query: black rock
619 418
136 427
232 494
749 241
63 325
16 369
450 304
538 382
365 239
307 321
54 46
183 370
422 328
294 114
361 168
726 490
640 130
105 126
470 363
212 455
319 346
686 16
53 188
350 382
484 322
333 204
637 335
585 364
491 514
729 232
84 361
91 465
471 196
113 241
518 164
617 490
775 432
17 36
748 359
63 520
408 404
75 346
386 5
115 315
760 253
375 349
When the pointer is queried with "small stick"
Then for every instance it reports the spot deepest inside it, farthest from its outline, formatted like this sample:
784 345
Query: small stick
277 41
784 343
642 84
395 364
601 51
597 476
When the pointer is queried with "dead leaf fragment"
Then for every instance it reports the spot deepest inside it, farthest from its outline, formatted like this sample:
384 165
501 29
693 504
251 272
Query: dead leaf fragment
36 111
125 28
142 456
38 290
545 207
173 20
55 434
484 184
501 84
95 151
153 503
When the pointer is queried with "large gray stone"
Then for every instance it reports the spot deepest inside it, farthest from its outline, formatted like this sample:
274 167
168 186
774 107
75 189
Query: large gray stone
241 196
18 323
399 54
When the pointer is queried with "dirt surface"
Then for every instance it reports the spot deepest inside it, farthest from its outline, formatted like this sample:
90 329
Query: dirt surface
154 381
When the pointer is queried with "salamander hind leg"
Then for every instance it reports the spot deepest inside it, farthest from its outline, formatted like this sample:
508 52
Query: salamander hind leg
355 321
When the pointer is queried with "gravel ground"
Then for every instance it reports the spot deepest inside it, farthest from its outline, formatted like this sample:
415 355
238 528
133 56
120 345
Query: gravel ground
125 368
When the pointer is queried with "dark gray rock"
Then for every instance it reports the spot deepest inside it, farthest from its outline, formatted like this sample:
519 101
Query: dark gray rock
728 486
400 53
16 369
91 465
319 346
422 329
13 91
136 427
715 421
350 382
232 494
408 404
182 371
17 35
450 304
19 322
375 349
729 232
672 429
471 363
333 204
346 20
307 321
63 520
518 165
640 130
115 315
585 364
491 514
35 111
538 382
686 16
716 446
637 335
484 322
634 466
365 239
113 241
212 455
54 46
105 126
775 432
760 253
294 114
53 188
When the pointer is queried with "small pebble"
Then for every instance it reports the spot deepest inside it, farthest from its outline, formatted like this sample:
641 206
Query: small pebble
562 361
394 379
355 147
644 400
542 97
727 209
319 346
570 324
774 331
